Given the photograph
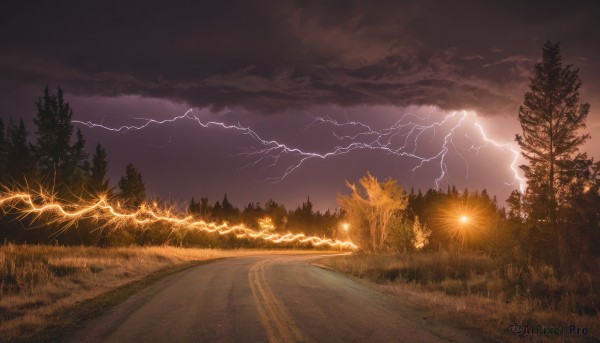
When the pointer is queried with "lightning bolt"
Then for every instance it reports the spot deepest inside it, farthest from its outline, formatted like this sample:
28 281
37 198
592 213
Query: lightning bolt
520 181
42 204
402 139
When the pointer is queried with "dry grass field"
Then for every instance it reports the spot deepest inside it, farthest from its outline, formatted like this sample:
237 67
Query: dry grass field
39 282
481 293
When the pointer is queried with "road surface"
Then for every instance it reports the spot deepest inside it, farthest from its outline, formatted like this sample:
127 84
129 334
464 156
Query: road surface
265 299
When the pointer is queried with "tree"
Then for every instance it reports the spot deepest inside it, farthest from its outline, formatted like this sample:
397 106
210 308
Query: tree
277 212
371 209
193 207
421 234
515 207
132 186
217 211
98 180
228 212
304 217
227 206
54 131
60 163
77 166
205 208
18 155
551 117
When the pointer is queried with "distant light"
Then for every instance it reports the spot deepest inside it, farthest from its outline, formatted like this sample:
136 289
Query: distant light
464 219
346 226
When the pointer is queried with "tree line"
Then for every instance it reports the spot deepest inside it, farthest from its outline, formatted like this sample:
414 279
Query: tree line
57 160
556 221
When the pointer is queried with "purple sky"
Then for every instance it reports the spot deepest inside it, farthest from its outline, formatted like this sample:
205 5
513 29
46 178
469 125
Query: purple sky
271 65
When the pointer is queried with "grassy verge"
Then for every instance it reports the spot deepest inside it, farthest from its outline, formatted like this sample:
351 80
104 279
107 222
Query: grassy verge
476 292
45 290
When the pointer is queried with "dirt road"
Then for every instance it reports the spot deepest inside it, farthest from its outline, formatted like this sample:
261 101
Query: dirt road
265 299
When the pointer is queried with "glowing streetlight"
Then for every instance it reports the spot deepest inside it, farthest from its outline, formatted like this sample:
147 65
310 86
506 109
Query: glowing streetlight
346 226
463 220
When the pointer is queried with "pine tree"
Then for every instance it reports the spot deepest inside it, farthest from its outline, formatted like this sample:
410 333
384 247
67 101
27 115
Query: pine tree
228 209
217 211
77 167
54 131
193 207
20 164
98 180
61 164
515 208
551 117
205 208
132 186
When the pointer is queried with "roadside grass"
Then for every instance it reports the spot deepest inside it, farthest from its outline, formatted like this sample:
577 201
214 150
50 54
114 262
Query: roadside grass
40 283
482 293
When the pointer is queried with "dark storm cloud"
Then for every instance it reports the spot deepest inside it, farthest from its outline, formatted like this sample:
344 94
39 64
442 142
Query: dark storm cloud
277 55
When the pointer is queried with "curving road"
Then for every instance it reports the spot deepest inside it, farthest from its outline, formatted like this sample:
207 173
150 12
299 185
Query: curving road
265 299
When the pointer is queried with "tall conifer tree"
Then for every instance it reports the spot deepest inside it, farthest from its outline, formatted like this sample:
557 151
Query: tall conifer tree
551 118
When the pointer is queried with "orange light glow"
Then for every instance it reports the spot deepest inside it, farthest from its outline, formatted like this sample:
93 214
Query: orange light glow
463 220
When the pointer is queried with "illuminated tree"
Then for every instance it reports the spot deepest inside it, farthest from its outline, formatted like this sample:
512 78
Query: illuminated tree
551 117
371 209
266 224
132 186
421 234
277 212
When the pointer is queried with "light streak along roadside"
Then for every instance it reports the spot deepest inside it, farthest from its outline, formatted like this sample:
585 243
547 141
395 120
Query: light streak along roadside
115 218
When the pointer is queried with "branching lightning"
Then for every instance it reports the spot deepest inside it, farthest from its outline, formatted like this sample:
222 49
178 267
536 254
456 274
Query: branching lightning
513 165
402 139
114 217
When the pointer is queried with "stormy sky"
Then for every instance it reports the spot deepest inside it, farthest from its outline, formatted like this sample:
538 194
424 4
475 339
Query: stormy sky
274 66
